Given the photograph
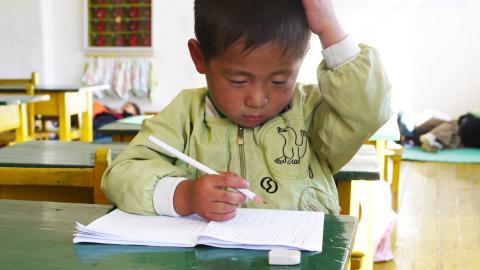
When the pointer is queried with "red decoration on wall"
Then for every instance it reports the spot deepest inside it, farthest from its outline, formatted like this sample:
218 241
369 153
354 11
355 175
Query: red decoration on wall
133 41
133 12
100 13
101 41
119 23
100 26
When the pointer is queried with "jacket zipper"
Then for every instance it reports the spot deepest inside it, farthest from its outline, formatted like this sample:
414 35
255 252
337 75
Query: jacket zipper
241 151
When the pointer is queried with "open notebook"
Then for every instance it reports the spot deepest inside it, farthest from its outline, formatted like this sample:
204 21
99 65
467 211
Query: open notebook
250 229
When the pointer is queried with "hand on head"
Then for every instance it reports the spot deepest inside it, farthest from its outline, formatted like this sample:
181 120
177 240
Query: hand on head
323 21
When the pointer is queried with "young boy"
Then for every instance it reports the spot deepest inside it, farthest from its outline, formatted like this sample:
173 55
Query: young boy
253 121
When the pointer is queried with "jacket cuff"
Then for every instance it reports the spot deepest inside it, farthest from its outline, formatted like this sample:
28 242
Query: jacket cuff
341 53
163 196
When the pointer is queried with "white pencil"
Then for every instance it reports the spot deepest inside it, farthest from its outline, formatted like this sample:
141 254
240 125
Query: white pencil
250 195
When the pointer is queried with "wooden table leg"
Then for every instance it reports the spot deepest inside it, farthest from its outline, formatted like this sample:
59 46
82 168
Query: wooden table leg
22 132
380 146
87 120
344 195
102 160
64 121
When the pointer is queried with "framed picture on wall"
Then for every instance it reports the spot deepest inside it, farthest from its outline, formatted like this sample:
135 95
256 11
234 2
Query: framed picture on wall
118 25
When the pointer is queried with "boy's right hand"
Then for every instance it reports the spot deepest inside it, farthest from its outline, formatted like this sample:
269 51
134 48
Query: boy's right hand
323 21
208 196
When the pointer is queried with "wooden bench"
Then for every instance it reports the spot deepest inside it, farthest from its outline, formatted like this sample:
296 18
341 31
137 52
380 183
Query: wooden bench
55 171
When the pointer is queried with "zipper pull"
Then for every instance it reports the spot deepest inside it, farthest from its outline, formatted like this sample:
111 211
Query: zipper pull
240 136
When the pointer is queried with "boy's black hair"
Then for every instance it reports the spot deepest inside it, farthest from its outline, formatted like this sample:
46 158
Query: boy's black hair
219 24
469 130
137 108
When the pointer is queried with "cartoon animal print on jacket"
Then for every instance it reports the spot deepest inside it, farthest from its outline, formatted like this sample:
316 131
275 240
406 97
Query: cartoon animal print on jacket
292 154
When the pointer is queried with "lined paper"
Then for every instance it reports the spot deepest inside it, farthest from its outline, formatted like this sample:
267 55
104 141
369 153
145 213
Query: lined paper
265 229
250 229
119 227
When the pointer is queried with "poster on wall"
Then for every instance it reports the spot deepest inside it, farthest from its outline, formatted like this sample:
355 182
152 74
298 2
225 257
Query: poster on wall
118 24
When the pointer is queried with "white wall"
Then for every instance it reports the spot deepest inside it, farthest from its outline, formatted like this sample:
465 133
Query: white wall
21 46
429 48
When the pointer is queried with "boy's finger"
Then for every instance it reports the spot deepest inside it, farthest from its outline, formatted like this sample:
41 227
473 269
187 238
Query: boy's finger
219 217
229 197
228 173
223 208
231 181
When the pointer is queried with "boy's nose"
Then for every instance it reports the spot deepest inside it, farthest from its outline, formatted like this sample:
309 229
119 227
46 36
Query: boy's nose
256 99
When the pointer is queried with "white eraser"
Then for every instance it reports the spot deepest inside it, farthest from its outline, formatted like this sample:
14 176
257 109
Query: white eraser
284 257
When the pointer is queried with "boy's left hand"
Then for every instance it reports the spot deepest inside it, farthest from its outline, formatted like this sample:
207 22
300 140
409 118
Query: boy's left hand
323 21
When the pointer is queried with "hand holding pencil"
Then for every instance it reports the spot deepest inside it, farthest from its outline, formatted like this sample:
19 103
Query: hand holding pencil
207 195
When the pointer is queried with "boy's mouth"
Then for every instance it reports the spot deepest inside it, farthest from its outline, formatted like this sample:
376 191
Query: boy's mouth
254 118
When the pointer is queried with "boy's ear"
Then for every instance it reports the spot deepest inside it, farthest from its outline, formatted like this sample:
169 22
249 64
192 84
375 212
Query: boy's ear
196 55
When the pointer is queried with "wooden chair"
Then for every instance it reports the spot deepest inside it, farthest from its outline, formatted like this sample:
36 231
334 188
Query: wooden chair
29 85
60 183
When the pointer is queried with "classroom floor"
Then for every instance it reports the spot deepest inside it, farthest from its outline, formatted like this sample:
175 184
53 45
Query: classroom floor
439 218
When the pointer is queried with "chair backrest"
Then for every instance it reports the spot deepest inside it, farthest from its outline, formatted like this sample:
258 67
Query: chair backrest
29 85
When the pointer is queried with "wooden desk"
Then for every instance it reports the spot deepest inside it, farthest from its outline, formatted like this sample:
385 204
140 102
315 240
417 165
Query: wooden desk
38 235
13 114
54 171
123 130
120 132
66 101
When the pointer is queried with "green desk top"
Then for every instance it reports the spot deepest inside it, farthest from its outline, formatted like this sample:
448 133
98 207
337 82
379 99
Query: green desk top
136 120
56 88
22 99
126 126
38 235
363 166
58 154
119 128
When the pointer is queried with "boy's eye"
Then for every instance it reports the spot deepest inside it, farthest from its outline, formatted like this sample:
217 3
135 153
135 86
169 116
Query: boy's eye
278 82
238 83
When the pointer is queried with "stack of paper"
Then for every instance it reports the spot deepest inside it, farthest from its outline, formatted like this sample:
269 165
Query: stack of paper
250 229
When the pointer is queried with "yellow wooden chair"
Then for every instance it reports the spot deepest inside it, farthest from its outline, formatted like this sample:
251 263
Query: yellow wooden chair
29 85
61 184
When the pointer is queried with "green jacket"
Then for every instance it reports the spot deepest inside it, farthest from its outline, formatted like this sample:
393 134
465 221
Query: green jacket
289 160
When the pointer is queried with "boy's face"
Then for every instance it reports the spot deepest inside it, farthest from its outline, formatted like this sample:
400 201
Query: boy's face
250 87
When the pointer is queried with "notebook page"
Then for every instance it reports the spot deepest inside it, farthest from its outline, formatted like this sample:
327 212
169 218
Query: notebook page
119 227
265 229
